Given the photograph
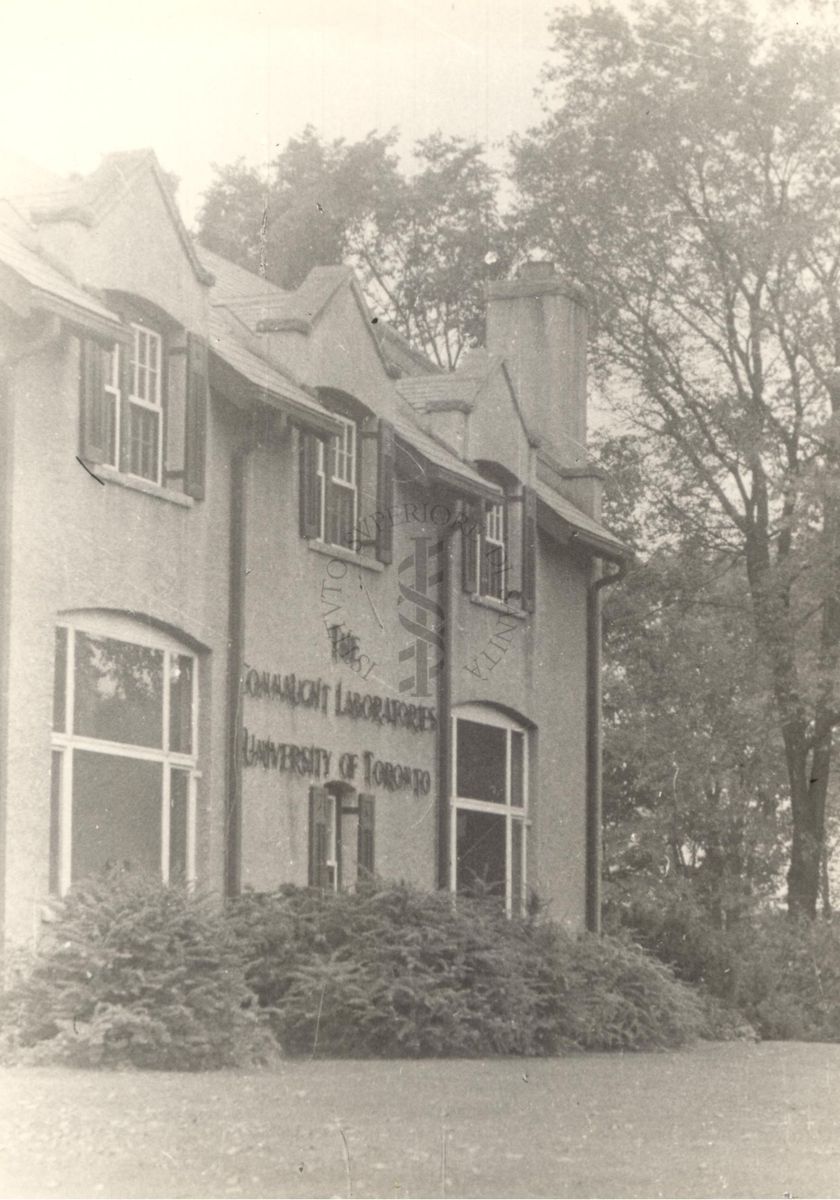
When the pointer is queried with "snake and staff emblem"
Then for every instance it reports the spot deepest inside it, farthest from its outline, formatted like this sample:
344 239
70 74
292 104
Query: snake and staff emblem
426 621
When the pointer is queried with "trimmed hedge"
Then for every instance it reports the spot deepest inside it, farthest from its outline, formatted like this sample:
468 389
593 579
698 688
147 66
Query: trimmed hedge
133 973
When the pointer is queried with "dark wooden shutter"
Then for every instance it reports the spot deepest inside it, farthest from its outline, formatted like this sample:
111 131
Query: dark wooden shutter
93 422
529 549
366 863
126 386
484 565
310 487
319 815
385 493
195 433
473 514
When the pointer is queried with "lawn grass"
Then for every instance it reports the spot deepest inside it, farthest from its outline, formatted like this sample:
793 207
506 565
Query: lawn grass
718 1120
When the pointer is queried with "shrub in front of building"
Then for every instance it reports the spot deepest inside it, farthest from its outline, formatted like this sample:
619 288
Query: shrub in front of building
616 997
133 973
391 971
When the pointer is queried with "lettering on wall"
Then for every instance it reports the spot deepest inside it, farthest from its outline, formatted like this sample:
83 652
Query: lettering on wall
360 706
384 710
317 762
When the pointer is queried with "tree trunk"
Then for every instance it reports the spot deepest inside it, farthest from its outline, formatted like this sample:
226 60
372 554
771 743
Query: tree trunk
825 884
809 786
808 760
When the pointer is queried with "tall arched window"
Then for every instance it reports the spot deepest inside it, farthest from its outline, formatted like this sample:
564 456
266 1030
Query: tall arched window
125 754
489 805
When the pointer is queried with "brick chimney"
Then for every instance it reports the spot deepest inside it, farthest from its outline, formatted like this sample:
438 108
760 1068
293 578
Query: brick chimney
538 324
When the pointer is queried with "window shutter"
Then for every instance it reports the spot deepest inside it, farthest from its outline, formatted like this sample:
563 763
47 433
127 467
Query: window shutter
385 492
365 852
469 547
529 549
93 418
484 564
310 491
195 434
319 811
126 388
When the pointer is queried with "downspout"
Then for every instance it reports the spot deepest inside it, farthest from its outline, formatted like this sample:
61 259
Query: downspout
594 770
236 654
444 702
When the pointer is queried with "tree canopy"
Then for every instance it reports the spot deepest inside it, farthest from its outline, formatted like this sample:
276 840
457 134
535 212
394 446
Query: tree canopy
687 171
418 239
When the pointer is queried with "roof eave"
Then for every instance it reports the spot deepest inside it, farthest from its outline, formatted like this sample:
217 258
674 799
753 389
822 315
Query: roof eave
449 476
569 533
108 328
296 409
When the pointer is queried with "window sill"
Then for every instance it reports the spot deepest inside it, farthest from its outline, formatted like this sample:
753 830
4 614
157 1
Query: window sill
498 606
344 555
135 484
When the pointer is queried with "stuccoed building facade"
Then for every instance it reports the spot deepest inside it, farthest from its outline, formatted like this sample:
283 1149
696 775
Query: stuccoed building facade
280 601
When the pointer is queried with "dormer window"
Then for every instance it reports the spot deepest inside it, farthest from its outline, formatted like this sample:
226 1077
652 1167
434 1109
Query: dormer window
493 552
143 406
337 474
356 461
499 543
143 415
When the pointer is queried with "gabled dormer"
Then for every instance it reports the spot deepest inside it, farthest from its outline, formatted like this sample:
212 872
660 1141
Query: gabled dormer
95 224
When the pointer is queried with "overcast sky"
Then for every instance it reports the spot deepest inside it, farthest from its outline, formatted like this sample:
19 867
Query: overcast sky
205 81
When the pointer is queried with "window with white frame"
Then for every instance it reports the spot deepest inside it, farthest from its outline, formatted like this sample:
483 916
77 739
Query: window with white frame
129 428
338 485
143 405
143 412
493 570
124 761
489 806
110 420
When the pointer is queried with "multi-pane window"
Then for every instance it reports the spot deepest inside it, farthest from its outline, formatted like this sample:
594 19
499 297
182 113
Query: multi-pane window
144 410
489 806
494 568
333 473
124 754
144 407
337 474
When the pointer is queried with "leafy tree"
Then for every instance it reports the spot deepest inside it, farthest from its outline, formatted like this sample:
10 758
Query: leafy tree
427 270
688 171
695 795
419 241
316 197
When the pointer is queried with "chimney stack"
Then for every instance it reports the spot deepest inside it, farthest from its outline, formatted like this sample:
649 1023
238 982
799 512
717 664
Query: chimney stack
538 324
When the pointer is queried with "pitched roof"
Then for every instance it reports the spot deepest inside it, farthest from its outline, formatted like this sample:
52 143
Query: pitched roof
273 385
438 460
590 532
428 392
401 355
88 199
53 290
276 310
233 282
